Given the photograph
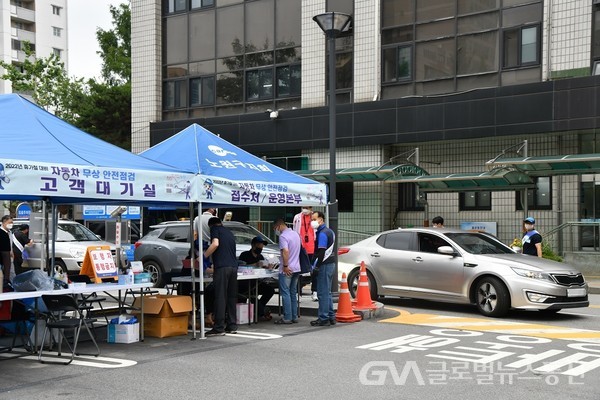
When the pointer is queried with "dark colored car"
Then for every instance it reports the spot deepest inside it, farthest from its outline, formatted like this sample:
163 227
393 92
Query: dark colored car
166 245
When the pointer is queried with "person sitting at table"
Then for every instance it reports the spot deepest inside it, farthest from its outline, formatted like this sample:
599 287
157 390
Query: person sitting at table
253 257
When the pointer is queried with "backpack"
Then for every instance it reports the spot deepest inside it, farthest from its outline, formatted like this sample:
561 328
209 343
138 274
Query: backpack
305 264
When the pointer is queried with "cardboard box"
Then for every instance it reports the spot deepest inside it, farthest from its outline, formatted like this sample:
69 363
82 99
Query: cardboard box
165 327
123 333
244 313
165 315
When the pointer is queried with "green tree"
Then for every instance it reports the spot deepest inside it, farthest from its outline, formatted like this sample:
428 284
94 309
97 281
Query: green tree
115 46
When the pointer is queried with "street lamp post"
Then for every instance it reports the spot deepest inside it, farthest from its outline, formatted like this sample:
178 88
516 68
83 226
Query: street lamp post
332 24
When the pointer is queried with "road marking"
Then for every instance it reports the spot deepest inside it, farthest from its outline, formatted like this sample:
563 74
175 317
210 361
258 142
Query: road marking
496 326
84 361
252 335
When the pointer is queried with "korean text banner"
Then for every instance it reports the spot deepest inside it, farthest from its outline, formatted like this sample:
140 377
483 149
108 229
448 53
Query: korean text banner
41 179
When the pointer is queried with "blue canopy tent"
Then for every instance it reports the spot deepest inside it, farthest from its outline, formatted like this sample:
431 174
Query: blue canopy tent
228 175
44 157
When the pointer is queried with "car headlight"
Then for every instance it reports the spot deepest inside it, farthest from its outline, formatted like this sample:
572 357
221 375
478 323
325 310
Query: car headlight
77 253
527 273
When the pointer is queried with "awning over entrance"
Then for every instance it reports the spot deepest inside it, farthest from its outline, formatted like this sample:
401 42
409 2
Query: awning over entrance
495 180
575 164
363 174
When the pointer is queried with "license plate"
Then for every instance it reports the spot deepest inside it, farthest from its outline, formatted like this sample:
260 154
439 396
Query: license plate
576 292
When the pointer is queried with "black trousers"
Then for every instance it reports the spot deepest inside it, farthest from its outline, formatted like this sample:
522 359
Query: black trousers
226 291
6 264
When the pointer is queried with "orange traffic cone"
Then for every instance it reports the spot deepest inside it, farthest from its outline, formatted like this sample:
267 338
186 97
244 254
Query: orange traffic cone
363 294
344 312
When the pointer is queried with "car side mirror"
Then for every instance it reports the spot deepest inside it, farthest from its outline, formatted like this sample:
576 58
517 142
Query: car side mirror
448 250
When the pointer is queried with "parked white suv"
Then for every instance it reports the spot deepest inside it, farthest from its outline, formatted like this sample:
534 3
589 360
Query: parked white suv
72 241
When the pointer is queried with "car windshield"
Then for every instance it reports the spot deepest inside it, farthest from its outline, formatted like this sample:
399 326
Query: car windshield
244 234
478 243
75 233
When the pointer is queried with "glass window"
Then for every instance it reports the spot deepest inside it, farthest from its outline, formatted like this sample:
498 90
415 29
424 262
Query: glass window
287 23
202 91
57 52
56 31
201 3
259 59
539 198
428 10
521 46
230 87
175 94
230 30
397 12
472 6
230 63
522 15
288 80
475 201
435 59
397 64
290 55
479 22
477 53
176 39
202 35
429 243
397 35
397 241
259 25
56 10
345 195
176 71
407 197
221 3
176 6
596 33
259 84
178 234
202 67
436 30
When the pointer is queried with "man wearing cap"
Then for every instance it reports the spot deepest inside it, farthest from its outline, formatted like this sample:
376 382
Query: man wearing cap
254 257
532 240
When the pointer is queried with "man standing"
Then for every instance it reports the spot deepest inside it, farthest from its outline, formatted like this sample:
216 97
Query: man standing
289 271
324 266
532 241
22 240
255 258
6 247
222 249
301 225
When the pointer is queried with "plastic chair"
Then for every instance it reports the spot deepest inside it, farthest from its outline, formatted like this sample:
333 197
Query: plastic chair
57 306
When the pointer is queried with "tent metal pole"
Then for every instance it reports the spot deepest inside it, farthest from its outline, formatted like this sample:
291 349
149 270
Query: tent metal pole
54 231
193 265
201 269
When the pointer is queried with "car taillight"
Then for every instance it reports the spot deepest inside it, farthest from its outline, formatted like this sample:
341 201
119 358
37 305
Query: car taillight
343 250
137 244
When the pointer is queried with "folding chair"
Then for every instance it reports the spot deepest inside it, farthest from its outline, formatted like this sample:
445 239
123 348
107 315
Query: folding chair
86 300
58 306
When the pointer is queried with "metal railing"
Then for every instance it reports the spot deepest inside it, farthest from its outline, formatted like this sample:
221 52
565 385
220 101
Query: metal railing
574 236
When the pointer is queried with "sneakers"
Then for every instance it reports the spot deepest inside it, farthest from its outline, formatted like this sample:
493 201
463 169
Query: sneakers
318 322
282 322
314 296
231 331
332 322
213 332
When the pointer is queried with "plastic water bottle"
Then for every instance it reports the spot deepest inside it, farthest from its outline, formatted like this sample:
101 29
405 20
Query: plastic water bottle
130 278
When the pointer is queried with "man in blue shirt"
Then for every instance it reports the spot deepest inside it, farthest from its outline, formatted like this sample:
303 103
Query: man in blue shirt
225 264
289 271
324 268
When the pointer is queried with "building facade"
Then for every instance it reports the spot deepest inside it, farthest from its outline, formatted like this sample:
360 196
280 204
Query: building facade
41 23
462 81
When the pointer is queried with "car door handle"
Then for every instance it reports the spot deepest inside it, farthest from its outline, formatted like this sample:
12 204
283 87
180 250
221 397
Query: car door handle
417 259
375 255
157 247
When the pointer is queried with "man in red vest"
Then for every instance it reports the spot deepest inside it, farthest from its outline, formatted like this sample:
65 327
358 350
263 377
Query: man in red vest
301 225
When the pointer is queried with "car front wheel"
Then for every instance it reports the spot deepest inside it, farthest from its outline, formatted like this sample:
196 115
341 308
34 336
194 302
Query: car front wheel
492 297
156 273
353 284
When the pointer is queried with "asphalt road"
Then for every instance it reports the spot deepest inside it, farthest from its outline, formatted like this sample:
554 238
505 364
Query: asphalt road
417 350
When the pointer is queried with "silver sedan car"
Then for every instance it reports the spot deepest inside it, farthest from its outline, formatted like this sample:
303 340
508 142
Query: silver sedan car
462 267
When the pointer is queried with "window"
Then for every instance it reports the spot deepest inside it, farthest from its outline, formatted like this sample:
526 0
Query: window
179 234
397 64
521 46
57 52
202 91
288 80
539 198
175 94
429 243
56 10
596 38
469 201
259 84
345 195
174 6
56 31
202 3
408 198
396 241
